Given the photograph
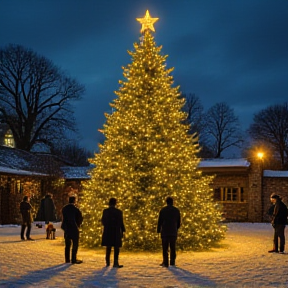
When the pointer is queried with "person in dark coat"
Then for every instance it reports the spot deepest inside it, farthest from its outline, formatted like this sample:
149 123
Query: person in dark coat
169 222
270 212
47 210
279 221
71 222
27 218
112 220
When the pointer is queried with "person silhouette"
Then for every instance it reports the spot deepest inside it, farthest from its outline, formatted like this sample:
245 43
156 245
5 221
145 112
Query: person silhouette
71 221
112 220
169 222
27 218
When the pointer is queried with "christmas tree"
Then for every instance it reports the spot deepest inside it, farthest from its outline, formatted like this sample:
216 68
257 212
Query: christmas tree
148 155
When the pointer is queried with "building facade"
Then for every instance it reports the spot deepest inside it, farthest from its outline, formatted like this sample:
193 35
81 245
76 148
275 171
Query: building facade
244 188
240 185
35 175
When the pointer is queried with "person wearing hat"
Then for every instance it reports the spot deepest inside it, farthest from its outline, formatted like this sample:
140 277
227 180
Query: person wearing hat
279 221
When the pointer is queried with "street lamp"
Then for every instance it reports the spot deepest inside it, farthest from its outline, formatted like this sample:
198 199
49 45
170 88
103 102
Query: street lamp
260 155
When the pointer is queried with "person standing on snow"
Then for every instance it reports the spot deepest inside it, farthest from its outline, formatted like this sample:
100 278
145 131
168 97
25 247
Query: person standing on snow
71 221
112 220
47 210
27 218
279 221
169 222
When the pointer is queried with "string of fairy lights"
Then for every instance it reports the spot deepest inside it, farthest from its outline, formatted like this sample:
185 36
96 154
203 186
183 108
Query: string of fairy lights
148 155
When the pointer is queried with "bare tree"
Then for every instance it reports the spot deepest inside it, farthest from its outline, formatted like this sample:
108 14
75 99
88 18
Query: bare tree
270 126
194 109
35 97
222 128
195 119
73 153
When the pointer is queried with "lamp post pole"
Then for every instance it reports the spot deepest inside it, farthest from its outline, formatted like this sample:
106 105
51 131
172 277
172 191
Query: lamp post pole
260 156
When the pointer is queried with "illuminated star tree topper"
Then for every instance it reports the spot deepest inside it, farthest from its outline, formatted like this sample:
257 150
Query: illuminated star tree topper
147 22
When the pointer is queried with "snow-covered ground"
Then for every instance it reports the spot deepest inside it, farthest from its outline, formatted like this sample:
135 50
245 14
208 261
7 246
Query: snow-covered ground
240 261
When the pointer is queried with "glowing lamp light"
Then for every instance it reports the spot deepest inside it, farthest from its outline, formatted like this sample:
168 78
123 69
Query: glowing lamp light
260 155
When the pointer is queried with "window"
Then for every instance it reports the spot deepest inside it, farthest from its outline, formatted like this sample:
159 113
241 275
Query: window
9 140
229 194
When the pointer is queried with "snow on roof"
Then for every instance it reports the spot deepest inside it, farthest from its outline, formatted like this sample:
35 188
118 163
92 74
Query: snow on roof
76 172
40 148
241 162
15 158
273 173
8 170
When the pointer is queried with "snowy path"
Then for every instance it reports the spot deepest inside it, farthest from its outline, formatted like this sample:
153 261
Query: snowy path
241 261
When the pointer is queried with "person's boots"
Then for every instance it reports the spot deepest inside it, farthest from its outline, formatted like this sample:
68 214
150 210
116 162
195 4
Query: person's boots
74 260
67 256
22 232
107 256
107 259
274 250
116 263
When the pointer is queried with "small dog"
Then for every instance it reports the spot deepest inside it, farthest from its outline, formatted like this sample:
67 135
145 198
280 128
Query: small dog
50 231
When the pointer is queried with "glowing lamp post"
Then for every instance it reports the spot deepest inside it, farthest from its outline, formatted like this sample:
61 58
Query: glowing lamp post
260 155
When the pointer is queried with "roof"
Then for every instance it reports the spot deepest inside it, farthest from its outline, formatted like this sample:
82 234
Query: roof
40 148
6 170
275 174
224 165
241 162
76 172
19 162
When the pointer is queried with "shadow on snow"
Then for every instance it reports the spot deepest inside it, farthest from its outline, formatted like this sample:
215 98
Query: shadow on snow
36 277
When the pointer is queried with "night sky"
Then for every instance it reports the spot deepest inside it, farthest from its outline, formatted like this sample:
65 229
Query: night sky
233 51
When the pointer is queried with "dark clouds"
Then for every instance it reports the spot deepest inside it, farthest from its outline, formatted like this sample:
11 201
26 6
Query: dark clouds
232 51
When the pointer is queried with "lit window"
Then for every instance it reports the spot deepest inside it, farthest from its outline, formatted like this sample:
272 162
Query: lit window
9 140
229 194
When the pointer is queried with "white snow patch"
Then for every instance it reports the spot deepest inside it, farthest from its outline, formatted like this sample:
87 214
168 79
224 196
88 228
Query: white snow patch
241 260
274 173
240 162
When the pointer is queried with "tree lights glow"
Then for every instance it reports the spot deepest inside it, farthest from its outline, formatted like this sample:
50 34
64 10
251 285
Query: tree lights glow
146 156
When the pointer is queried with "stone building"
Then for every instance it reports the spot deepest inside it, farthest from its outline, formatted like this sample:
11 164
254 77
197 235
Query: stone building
243 188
